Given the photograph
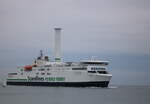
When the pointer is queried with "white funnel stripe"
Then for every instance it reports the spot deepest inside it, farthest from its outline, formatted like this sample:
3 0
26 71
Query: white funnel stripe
57 44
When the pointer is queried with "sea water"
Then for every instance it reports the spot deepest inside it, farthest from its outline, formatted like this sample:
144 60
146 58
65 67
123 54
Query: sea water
70 95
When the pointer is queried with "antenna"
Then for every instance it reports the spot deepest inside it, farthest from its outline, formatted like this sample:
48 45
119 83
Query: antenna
41 54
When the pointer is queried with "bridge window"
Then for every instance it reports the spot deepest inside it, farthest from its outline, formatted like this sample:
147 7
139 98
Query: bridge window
102 72
91 71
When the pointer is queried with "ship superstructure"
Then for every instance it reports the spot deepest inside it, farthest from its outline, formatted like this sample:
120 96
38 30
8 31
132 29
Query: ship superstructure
44 72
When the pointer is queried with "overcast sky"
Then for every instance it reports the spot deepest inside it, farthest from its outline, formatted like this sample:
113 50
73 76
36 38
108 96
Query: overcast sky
89 26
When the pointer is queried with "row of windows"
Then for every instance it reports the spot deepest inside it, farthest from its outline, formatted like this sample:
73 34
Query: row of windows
48 69
39 73
79 68
100 72
42 69
95 63
95 68
91 71
43 73
12 73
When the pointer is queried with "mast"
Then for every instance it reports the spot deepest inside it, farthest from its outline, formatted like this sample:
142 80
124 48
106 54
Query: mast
41 54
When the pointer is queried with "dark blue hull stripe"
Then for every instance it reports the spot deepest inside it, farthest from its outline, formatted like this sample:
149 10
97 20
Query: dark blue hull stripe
65 84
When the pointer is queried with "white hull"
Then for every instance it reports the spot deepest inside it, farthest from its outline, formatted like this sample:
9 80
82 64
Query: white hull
61 78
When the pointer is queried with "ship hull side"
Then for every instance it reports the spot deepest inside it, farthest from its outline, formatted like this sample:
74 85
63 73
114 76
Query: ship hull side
64 84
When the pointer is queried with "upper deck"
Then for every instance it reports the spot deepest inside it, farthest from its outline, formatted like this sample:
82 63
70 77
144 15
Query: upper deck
94 62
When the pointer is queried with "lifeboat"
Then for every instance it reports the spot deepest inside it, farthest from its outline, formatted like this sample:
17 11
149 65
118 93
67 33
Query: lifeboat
28 67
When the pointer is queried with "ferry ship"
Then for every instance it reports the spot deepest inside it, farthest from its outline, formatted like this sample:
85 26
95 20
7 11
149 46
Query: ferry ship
44 72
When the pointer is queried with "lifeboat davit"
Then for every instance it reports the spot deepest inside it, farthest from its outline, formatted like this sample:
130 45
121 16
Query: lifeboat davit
28 67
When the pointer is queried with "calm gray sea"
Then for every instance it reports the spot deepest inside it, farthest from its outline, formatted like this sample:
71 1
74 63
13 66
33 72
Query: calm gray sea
63 95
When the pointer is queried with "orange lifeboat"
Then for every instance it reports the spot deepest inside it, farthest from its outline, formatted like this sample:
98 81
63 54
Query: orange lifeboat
28 67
